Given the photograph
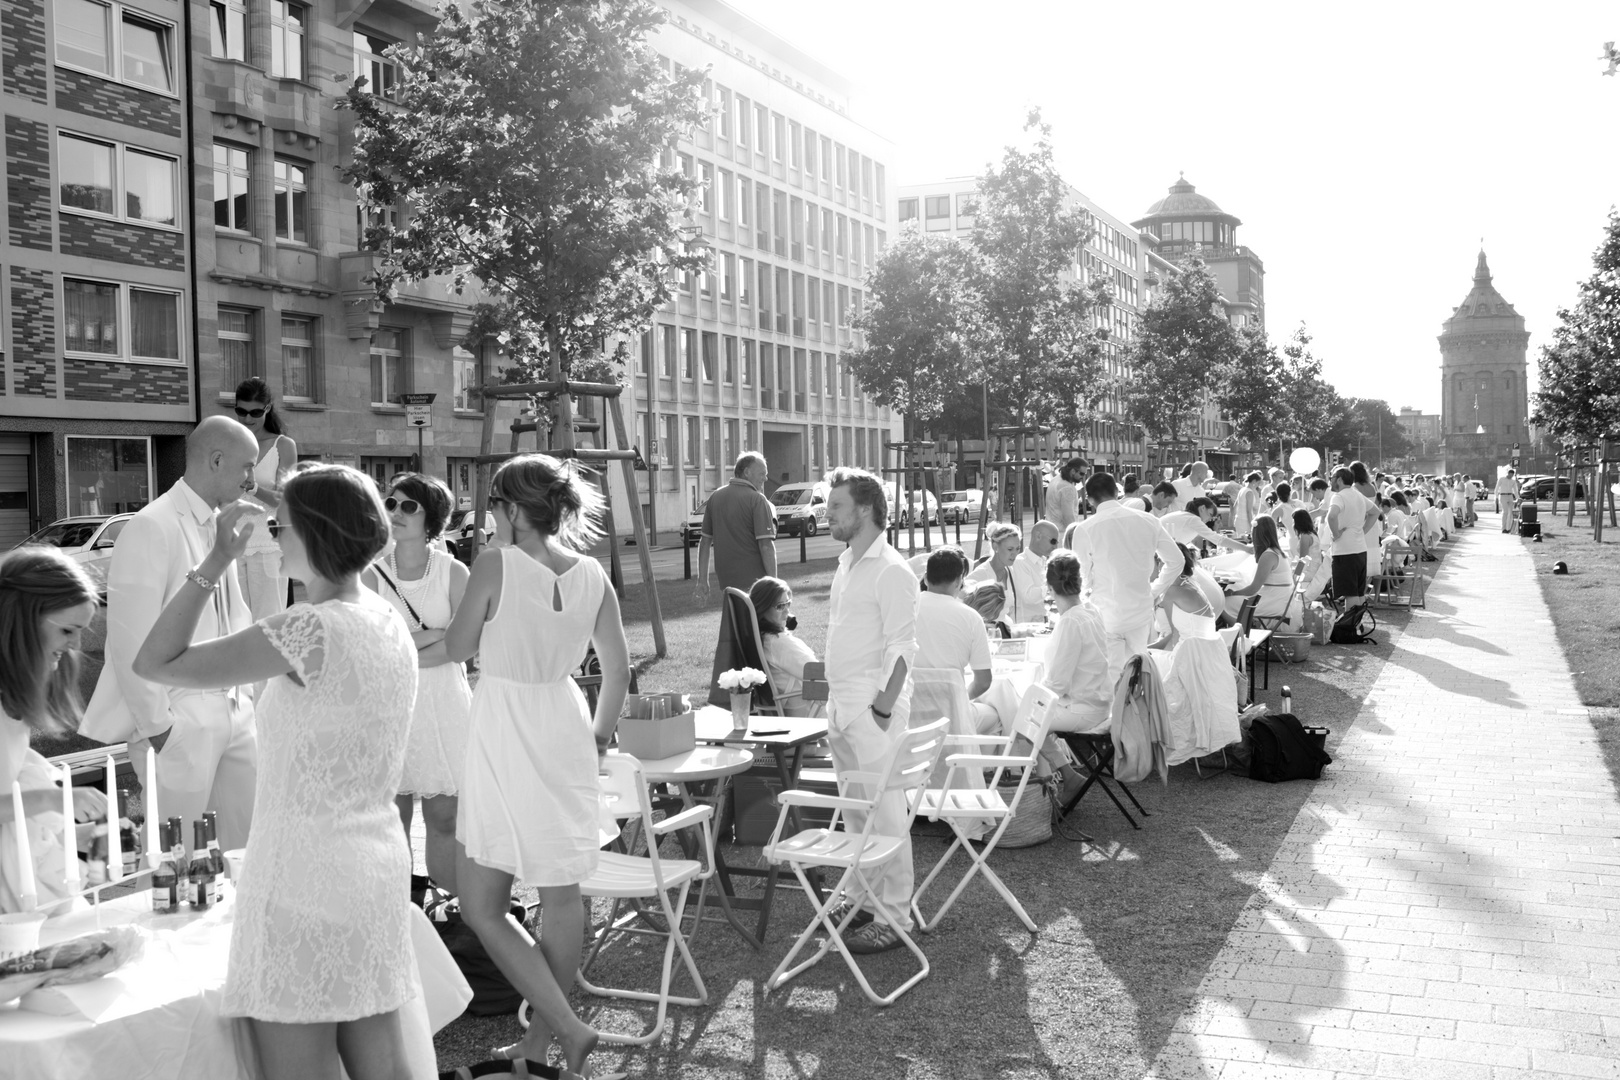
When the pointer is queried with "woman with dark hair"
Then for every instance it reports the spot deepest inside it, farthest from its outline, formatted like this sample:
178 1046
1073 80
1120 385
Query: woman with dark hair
321 957
1199 690
1310 561
1076 666
529 800
46 602
1374 531
1273 577
784 652
262 580
425 585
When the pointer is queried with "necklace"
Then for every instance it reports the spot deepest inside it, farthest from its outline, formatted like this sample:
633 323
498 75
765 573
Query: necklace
415 583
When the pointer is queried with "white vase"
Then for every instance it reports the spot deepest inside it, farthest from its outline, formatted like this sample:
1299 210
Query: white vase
740 704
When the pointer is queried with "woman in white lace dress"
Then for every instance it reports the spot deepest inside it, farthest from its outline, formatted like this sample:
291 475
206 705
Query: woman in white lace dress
425 584
1198 681
530 800
321 956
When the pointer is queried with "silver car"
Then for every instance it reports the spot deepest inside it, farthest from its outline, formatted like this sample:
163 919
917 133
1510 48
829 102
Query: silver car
87 539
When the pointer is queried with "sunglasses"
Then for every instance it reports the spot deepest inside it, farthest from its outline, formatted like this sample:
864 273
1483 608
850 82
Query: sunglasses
275 527
254 413
404 506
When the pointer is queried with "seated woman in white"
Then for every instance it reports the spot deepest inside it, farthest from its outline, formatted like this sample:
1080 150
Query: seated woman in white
1273 577
1005 544
1200 689
1077 656
989 599
785 654
1310 557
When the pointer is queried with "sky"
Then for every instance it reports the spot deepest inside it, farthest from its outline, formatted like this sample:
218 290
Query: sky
1368 149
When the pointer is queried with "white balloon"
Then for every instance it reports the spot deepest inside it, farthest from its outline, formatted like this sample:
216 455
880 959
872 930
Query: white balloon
1304 459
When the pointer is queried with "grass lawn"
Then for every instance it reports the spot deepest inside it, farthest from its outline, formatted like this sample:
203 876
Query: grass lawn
1128 925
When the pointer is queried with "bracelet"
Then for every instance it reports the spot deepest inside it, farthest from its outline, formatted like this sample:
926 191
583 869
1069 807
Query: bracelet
201 582
877 712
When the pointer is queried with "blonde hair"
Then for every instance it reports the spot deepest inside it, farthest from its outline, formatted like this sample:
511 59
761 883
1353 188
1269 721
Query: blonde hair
554 498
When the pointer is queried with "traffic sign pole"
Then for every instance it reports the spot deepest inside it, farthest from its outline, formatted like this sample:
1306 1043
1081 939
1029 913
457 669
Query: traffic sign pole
419 415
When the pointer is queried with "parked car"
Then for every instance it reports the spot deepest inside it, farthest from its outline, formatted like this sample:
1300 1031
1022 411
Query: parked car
88 540
692 527
1216 490
963 506
459 534
918 505
800 508
1541 487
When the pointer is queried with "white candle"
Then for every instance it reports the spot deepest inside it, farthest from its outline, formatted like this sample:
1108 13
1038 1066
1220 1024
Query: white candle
27 895
154 852
70 850
115 850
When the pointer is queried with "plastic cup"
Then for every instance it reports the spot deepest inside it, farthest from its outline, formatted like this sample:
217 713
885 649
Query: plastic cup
19 933
234 859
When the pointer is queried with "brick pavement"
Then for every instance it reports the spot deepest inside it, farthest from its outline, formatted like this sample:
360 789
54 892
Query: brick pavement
1447 903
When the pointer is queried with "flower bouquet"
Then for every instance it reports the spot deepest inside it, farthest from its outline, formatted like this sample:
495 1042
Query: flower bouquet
741 682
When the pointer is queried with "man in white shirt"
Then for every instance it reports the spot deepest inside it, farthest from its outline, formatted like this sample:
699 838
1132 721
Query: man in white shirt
207 753
1063 496
1350 514
1163 499
1191 486
950 634
1507 494
1116 547
1188 526
871 648
1029 573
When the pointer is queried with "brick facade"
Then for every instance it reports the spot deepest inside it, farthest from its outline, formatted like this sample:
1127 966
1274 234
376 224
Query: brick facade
33 332
138 384
117 242
28 183
22 49
104 100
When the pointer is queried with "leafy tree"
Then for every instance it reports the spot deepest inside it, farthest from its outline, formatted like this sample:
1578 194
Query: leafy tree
1185 344
1252 394
1041 354
1579 394
524 139
1378 430
918 325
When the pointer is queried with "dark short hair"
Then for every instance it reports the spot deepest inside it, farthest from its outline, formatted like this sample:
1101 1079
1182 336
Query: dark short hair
1303 522
338 515
1188 561
1284 492
1198 502
1252 477
1129 483
1073 469
1398 498
1319 484
1101 487
947 565
1165 488
1344 476
865 489
1359 471
1063 573
432 494
747 460
766 593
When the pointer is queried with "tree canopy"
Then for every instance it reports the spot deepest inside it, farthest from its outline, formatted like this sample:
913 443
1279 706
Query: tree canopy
1579 387
1184 343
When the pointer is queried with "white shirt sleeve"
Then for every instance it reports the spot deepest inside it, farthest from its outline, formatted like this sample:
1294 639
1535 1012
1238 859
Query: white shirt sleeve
897 605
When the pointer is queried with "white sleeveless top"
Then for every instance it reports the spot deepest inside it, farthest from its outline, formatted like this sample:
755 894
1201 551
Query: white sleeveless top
265 473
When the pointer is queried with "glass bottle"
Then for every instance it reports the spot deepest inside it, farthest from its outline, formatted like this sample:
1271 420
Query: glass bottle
166 876
215 855
96 867
200 874
128 838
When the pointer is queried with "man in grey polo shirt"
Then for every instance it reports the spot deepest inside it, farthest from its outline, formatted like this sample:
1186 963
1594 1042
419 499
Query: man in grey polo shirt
739 525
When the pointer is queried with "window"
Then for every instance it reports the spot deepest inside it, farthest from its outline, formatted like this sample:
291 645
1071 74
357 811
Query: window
705 280
840 156
236 346
779 224
667 351
815 374
644 353
767 377
799 361
706 192
908 209
764 297
854 248
227 29
778 136
878 181
826 160
744 207
725 114
91 181
782 301
762 129
231 188
727 194
815 446
742 111
711 442
798 305
827 307
745 284
813 302
832 375
120 322
868 250
762 217
711 349
387 366
796 228
843 239
108 476
751 430
795 141
691 447
747 362
731 452
826 238
688 354
298 361
287 39
728 361
124 45
466 377
728 276
810 144
381 73
292 201
670 452
937 206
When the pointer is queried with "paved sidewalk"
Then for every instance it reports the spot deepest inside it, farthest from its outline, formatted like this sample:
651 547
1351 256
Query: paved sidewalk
1447 903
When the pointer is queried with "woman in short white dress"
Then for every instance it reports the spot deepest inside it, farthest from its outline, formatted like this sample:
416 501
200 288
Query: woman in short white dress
321 957
530 799
425 585
1199 689
263 582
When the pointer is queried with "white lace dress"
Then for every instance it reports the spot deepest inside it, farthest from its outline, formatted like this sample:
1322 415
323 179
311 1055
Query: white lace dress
1198 687
437 750
321 929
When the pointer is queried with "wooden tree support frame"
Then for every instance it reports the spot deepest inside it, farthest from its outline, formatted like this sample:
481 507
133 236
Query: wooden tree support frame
487 456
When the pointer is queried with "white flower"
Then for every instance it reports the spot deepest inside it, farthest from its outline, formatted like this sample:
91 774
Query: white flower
739 680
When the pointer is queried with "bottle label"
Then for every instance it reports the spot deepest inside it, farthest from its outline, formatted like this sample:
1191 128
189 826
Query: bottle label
164 898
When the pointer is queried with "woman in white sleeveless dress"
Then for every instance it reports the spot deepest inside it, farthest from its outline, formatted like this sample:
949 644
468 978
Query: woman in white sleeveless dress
263 583
1199 686
529 798
321 957
425 584
1273 579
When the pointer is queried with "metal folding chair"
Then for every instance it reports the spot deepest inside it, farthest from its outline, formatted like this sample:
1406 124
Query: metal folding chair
1094 751
855 853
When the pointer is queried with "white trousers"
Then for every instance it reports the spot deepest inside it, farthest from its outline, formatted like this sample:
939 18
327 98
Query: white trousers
855 745
1122 645
209 762
1504 503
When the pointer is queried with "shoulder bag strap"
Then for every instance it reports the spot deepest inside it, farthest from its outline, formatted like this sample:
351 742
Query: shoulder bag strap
383 574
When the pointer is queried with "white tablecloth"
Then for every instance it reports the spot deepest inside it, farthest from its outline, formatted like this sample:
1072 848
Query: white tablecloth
159 1017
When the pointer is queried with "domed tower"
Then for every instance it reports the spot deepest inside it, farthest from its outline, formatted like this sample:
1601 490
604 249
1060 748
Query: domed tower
1484 403
1186 224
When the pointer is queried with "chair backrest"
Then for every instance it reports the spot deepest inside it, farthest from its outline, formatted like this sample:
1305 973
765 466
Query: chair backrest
914 756
937 692
1034 714
624 795
739 646
1245 615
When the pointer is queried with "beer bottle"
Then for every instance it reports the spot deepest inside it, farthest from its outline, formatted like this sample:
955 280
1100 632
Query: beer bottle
166 876
215 855
200 874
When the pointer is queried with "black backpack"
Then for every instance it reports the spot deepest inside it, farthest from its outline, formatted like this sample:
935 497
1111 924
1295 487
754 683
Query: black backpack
1284 749
493 993
1355 626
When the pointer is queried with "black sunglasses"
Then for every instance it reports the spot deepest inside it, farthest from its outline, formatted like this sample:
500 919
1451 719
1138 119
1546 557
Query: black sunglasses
404 506
254 413
274 526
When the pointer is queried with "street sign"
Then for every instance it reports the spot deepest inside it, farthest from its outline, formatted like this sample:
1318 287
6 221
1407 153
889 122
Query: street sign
419 416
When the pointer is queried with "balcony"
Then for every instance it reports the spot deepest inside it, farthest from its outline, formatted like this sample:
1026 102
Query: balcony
448 310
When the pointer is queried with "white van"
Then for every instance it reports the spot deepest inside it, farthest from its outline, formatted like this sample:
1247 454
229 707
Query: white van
800 508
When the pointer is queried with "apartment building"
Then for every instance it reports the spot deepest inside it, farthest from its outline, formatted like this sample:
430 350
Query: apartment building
96 350
795 205
1113 254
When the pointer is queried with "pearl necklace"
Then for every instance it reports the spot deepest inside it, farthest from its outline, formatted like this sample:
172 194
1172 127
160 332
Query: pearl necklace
419 584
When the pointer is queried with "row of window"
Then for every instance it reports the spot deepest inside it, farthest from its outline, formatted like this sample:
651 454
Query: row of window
1195 232
233 190
110 320
117 43
1113 243
710 357
786 301
711 442
289 31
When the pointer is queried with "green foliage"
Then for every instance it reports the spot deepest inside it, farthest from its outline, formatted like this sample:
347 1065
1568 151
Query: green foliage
1184 346
1252 395
524 143
1579 394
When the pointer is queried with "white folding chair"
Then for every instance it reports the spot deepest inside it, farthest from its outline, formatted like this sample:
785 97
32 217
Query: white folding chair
959 807
855 853
643 877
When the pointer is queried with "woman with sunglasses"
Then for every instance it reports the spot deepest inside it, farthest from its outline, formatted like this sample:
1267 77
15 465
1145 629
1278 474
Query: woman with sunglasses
262 579
784 653
425 585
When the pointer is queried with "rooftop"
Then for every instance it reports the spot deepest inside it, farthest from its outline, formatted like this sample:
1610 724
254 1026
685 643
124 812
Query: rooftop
1185 202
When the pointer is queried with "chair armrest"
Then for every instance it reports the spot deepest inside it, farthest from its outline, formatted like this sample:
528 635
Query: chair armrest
690 816
982 740
990 761
825 802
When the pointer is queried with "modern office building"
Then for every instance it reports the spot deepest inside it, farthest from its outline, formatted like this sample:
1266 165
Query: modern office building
1114 254
1484 401
96 346
796 206
1187 223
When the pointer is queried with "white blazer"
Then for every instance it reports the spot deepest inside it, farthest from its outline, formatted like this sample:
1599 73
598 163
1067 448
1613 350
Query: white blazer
169 537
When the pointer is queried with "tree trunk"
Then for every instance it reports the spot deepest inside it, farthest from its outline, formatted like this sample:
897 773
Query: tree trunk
562 413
